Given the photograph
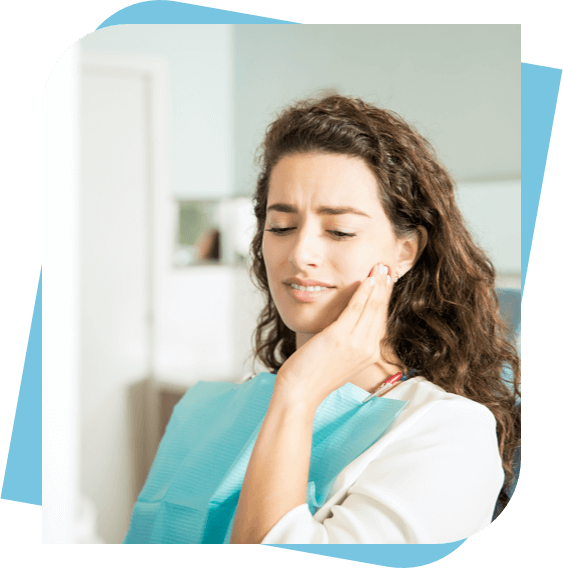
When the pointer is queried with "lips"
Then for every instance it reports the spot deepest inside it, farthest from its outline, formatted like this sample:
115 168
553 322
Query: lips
307 297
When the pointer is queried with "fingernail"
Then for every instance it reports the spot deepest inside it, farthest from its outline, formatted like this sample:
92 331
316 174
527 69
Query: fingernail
381 269
388 279
372 281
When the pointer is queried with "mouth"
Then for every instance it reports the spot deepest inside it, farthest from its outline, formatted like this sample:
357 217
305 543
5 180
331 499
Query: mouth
307 294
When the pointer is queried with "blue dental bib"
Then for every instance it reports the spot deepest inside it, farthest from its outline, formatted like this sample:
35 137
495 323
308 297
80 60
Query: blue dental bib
192 490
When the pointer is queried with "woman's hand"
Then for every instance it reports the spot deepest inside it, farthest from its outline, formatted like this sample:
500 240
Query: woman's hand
337 354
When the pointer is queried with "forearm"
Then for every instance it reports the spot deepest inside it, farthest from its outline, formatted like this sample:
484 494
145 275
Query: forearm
278 470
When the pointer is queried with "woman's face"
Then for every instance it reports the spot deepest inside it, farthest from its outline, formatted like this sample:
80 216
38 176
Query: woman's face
324 227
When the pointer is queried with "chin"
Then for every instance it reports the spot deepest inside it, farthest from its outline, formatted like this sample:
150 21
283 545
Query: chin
308 326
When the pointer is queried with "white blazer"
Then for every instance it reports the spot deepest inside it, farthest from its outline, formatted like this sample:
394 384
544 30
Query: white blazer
434 477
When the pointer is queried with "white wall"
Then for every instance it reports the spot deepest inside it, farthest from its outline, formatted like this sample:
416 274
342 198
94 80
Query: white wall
458 84
199 59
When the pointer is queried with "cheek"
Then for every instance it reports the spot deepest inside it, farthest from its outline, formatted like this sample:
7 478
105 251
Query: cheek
273 261
272 251
266 249
354 265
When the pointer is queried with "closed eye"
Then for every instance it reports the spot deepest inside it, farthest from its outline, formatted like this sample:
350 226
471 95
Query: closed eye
340 235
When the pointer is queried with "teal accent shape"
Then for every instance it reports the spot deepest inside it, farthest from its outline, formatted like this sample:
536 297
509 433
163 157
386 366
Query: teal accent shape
22 480
540 87
392 555
180 13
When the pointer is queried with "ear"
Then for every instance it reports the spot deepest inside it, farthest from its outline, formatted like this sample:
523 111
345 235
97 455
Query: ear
409 250
422 238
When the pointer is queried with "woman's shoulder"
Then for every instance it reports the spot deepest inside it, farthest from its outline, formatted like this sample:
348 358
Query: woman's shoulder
424 397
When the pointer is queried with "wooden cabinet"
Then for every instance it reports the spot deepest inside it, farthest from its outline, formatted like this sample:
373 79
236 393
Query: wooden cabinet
168 397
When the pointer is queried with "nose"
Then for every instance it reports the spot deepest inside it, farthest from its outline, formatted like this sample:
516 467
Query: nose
306 250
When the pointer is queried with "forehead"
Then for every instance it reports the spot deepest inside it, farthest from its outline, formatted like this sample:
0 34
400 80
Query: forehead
317 180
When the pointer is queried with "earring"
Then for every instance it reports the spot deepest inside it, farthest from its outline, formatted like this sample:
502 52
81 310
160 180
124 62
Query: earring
397 276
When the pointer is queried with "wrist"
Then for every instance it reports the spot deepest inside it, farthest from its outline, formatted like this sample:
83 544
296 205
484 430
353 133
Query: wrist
293 399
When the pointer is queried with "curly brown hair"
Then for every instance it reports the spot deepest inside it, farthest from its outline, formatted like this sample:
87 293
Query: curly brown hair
444 319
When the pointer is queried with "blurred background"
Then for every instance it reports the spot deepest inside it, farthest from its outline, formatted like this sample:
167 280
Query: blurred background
168 121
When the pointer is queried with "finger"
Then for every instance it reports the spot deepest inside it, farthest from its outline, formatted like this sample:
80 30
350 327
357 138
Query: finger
353 311
374 314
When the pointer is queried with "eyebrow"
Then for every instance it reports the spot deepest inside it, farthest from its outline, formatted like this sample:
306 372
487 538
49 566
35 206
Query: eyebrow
286 208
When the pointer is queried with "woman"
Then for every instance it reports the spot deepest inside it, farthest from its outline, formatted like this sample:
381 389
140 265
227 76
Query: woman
370 277
347 189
